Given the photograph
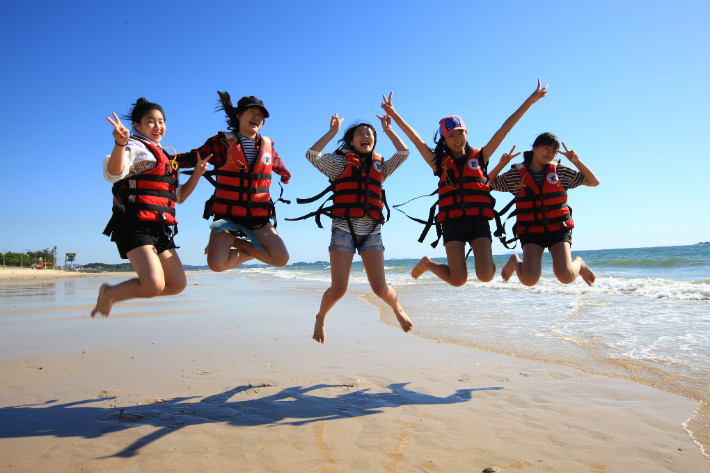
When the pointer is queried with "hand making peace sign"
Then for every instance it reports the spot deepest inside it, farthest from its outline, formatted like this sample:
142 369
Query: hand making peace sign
120 132
386 122
539 92
201 166
387 105
507 157
335 123
569 154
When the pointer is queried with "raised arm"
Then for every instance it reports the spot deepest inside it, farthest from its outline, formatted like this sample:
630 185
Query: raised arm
497 139
335 123
590 179
413 136
387 128
120 138
187 188
504 160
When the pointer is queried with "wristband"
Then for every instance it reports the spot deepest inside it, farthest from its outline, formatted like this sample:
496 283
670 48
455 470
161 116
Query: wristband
117 144
385 130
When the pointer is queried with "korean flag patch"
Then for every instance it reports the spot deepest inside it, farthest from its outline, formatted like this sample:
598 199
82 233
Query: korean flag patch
552 178
473 163
266 159
378 166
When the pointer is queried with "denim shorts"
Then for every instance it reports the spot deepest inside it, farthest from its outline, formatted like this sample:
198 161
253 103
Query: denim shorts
343 241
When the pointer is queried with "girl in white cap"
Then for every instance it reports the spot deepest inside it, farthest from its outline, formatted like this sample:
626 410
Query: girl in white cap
465 203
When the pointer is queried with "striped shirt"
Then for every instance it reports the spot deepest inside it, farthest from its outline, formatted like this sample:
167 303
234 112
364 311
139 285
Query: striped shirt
509 181
249 147
332 165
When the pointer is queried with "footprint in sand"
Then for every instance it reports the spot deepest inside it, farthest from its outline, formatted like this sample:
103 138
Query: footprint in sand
597 468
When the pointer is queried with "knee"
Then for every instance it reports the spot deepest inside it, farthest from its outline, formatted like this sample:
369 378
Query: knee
179 286
280 260
216 265
528 280
486 275
565 277
459 281
381 291
337 292
152 287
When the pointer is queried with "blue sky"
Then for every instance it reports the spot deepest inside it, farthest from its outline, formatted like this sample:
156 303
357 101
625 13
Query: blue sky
628 90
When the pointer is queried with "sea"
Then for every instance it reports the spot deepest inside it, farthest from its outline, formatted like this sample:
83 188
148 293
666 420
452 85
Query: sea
646 317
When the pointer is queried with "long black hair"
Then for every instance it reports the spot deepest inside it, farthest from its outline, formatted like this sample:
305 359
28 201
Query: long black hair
543 139
225 104
140 109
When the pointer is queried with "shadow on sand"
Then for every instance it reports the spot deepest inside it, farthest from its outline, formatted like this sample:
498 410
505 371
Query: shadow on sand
292 405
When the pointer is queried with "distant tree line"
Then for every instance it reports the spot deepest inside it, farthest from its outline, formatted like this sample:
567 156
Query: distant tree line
28 258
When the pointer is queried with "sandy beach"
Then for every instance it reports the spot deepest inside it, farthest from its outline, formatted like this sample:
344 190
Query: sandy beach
225 377
21 274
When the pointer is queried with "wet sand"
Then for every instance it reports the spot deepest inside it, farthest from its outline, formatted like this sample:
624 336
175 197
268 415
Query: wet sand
225 377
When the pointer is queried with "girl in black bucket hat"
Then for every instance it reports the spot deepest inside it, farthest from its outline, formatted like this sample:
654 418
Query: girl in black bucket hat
241 206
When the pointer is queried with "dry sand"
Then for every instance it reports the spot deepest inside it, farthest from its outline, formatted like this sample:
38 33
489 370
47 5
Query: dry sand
21 274
219 380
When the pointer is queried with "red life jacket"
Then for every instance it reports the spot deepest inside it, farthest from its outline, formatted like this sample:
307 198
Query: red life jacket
154 191
467 194
541 211
356 191
241 191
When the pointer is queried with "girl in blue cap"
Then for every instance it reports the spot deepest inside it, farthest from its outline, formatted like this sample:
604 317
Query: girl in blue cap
465 203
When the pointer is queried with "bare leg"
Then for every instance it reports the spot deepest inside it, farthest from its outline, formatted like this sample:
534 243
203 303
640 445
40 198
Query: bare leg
455 273
374 262
567 270
483 254
274 251
340 264
529 269
158 275
221 256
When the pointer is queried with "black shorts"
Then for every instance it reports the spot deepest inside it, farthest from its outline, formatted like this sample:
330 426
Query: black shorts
546 240
156 234
465 229
252 223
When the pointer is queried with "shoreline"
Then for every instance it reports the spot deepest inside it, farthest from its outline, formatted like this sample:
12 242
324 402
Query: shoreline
228 386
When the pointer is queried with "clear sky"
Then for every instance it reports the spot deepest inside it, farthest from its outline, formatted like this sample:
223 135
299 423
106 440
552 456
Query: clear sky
628 90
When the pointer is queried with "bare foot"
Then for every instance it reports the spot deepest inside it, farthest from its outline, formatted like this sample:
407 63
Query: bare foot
403 320
319 331
103 303
421 267
586 273
509 268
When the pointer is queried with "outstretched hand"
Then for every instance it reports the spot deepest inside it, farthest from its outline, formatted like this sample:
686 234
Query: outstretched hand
569 154
335 123
120 132
539 93
387 105
507 157
386 122
201 166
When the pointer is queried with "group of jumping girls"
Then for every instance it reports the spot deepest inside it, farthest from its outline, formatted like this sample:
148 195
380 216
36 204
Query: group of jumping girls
146 189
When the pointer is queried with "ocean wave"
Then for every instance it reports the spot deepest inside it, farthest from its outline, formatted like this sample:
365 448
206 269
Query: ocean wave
648 288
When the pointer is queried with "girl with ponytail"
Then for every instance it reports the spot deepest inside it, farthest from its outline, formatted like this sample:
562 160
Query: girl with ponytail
241 205
145 191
